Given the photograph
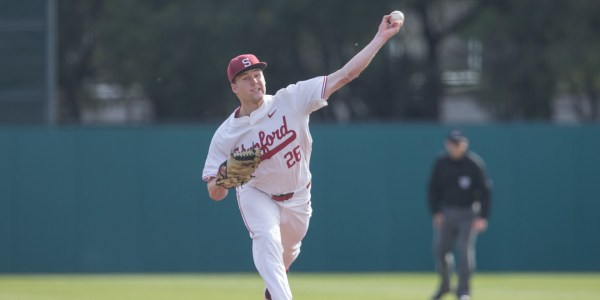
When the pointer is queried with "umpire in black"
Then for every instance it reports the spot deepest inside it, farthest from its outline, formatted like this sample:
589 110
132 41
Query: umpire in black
459 201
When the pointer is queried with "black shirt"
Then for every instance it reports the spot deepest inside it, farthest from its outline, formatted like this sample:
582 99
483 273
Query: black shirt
459 183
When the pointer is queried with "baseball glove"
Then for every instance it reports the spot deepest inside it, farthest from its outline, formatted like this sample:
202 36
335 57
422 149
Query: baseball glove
238 168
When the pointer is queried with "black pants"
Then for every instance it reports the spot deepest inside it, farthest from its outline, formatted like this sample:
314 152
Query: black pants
456 233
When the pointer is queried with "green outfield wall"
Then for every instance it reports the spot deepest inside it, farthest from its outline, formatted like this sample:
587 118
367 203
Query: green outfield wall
131 199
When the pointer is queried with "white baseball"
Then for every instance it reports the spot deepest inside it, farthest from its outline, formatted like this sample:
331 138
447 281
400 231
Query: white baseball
397 16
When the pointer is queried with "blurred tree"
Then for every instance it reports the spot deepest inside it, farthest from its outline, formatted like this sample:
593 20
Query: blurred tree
576 57
75 50
173 50
178 50
519 79
439 20
177 53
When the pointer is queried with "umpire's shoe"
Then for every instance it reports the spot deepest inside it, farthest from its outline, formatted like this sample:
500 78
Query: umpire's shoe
268 295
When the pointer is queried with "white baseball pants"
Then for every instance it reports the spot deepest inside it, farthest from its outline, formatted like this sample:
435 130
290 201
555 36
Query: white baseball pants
277 229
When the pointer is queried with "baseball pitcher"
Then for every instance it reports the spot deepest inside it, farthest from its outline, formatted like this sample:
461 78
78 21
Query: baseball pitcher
263 150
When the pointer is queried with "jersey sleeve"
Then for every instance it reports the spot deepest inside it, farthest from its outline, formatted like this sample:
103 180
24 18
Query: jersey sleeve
215 157
307 96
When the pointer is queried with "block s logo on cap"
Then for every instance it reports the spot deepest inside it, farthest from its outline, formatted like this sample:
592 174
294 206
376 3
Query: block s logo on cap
242 63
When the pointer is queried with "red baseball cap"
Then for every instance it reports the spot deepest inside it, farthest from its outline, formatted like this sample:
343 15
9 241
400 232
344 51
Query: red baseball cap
243 63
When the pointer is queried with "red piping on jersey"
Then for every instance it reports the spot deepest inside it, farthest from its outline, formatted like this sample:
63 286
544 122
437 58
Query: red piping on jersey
324 87
237 194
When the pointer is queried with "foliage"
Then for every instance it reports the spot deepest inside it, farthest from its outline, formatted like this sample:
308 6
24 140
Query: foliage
76 47
531 49
177 53
179 50
576 58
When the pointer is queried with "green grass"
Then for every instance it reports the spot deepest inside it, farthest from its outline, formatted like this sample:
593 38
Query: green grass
306 286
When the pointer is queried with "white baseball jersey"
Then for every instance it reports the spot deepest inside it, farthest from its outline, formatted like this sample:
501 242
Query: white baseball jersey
280 128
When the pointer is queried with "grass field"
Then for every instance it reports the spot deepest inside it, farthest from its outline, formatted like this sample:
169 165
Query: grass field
306 286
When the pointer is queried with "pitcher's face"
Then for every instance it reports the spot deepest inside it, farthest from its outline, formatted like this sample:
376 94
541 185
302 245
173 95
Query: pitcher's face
250 86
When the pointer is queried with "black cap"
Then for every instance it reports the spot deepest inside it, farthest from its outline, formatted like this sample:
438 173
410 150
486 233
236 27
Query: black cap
456 136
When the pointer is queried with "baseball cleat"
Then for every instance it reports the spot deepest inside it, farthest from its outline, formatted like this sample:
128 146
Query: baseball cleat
267 295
